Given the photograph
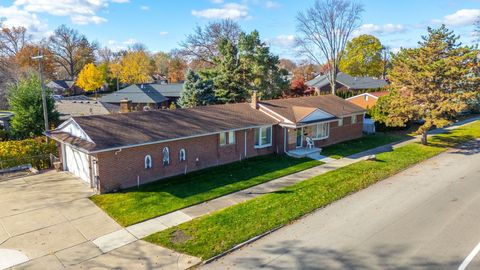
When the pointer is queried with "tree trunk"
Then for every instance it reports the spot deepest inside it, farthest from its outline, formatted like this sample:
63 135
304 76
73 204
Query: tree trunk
424 137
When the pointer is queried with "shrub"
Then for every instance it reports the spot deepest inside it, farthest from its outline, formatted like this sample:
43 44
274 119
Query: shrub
34 151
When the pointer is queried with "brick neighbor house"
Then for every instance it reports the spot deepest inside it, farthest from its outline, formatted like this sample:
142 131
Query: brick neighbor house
367 100
112 152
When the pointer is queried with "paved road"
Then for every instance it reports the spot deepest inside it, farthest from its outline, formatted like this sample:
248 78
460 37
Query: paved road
427 217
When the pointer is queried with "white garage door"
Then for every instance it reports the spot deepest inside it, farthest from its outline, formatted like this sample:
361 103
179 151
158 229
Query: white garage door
77 163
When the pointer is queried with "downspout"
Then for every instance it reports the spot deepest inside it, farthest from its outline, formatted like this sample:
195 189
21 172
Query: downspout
285 140
245 144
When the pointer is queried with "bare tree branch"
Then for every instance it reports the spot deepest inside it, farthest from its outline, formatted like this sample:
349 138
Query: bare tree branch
323 31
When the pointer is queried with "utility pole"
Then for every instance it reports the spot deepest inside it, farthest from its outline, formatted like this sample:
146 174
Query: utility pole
44 98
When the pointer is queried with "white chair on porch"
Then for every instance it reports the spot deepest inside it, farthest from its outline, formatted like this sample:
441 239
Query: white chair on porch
310 144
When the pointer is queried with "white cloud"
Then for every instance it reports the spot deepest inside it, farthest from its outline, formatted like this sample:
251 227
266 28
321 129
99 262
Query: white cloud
80 11
227 11
145 8
461 17
374 29
217 1
163 33
116 46
17 17
272 4
283 41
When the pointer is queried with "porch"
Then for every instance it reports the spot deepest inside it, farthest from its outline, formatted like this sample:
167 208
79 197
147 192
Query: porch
304 152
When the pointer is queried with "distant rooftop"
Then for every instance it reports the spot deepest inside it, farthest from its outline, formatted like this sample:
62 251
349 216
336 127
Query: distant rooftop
348 81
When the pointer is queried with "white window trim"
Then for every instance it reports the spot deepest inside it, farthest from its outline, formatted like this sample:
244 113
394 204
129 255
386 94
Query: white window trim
353 119
232 133
220 140
184 155
148 165
324 137
167 156
340 122
260 137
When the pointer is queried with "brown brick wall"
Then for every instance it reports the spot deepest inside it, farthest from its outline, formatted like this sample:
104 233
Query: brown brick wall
120 170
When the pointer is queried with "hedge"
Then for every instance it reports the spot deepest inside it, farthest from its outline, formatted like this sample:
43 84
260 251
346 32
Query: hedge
34 151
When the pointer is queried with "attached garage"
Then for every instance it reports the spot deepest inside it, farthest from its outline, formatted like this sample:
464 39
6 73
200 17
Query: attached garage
76 162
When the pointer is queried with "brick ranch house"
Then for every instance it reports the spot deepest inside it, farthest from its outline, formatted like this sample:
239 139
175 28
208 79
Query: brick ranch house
112 152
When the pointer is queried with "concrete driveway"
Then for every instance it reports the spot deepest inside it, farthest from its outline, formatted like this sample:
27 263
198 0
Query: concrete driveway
48 222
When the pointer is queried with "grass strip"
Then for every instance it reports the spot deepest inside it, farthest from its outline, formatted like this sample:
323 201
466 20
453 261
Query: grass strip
351 147
151 200
213 234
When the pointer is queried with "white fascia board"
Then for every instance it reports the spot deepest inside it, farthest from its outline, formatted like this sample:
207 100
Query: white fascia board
273 114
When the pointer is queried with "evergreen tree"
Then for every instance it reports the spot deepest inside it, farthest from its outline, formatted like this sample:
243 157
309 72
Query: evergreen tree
25 99
432 83
196 91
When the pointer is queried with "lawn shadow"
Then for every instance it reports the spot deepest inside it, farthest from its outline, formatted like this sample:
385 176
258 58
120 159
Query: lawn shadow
294 254
244 174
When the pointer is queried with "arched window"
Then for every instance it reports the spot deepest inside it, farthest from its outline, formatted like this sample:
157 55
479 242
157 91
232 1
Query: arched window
182 155
166 156
148 162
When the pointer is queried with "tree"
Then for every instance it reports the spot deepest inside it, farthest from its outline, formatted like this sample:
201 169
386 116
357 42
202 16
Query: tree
196 91
432 83
72 50
363 57
91 77
203 44
287 64
12 40
25 99
298 88
162 61
228 77
26 64
135 67
260 67
176 68
323 31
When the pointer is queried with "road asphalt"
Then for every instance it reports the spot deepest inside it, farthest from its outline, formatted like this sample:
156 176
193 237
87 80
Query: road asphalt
426 217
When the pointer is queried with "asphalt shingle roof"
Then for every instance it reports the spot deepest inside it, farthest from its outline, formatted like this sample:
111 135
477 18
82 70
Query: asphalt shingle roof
349 81
137 93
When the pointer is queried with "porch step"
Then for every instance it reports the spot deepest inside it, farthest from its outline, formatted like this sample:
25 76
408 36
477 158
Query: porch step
304 152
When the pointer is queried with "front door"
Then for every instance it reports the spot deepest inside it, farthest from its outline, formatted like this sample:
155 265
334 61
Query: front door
299 137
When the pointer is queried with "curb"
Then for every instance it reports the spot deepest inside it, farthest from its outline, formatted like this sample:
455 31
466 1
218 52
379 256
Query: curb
240 245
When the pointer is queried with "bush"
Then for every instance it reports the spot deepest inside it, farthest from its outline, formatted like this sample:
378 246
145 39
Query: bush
34 151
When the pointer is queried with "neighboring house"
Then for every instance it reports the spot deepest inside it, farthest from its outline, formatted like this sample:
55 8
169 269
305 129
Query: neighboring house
112 152
83 107
172 91
64 87
141 96
367 100
346 82
159 79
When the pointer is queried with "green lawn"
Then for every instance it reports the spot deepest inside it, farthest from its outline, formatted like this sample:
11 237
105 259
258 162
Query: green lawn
151 200
348 148
213 234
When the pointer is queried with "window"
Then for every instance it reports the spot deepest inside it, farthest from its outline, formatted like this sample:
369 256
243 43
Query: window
166 156
148 162
340 122
223 138
263 137
227 138
182 155
320 131
354 119
231 137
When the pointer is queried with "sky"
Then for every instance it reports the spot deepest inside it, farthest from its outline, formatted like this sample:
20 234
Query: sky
162 24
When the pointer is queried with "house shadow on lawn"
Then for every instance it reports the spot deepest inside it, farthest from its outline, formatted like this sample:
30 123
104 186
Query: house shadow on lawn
240 175
294 255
